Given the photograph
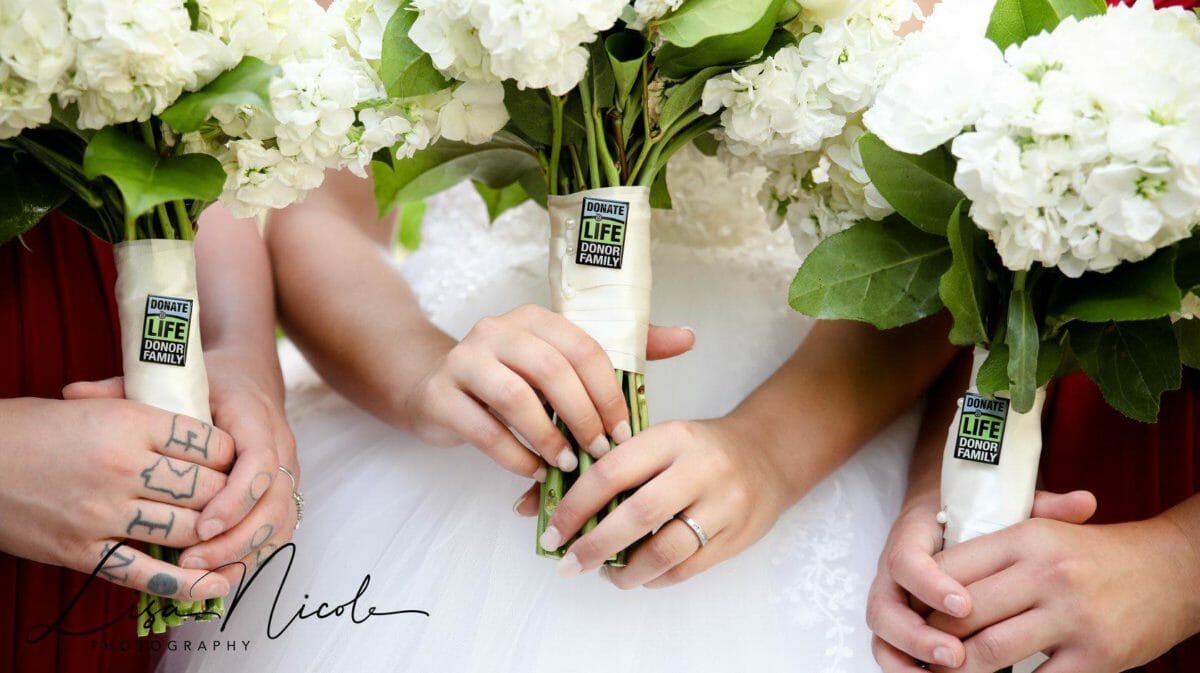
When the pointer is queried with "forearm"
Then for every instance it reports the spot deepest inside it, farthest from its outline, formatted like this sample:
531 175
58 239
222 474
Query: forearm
925 472
1185 517
233 272
845 384
344 303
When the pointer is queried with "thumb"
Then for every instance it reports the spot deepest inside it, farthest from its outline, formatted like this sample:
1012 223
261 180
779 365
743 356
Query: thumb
113 389
1073 507
667 342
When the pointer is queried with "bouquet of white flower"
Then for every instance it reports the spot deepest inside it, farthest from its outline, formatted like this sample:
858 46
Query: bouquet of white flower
1045 168
598 96
131 117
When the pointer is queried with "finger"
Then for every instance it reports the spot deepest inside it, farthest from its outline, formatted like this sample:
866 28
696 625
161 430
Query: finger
262 553
158 523
511 396
919 574
1067 661
667 342
629 465
254 470
976 559
891 660
115 562
1073 507
1004 644
673 544
527 504
269 517
648 508
550 372
193 440
480 429
178 482
997 598
890 618
590 362
111 389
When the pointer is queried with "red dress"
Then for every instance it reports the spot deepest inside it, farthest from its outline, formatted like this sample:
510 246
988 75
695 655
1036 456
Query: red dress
1136 470
58 324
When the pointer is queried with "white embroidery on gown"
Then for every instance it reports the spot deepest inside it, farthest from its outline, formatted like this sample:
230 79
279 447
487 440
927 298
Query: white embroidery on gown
434 530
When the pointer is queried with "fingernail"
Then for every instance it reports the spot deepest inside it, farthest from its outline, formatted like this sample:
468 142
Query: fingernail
944 656
690 330
209 529
551 539
569 566
213 586
622 433
599 446
540 475
567 462
192 562
956 605
517 505
604 573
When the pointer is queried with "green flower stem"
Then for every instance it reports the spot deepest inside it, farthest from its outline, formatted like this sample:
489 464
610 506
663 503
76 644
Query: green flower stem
187 230
556 120
664 151
590 131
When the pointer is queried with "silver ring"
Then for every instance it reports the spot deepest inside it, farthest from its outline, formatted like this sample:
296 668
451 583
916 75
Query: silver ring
295 496
691 523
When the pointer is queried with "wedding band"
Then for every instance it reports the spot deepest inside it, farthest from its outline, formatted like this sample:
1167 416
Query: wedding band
295 496
691 523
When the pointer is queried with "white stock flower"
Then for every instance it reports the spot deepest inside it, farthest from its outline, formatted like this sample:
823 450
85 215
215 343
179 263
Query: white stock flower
536 43
474 113
821 193
649 10
359 25
35 51
271 30
133 59
1097 164
803 94
1190 310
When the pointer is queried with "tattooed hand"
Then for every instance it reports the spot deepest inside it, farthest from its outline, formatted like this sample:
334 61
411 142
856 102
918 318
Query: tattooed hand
78 476
254 513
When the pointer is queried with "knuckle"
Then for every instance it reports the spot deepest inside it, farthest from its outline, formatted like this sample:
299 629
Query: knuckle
991 647
1060 571
739 497
875 615
605 474
663 553
583 348
894 561
644 512
507 390
460 358
487 326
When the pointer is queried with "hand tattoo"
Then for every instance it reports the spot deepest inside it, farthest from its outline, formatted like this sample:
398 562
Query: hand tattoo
260 537
259 486
264 553
150 526
191 434
164 478
112 561
163 585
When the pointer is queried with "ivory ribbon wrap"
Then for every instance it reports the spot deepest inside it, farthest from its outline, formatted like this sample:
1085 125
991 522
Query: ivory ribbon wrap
160 326
979 498
610 304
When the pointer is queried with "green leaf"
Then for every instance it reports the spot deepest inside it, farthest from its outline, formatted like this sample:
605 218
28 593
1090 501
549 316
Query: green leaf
707 143
531 120
502 199
993 374
1022 340
885 273
703 33
1133 363
498 163
407 70
1013 21
144 178
681 98
29 192
411 218
247 83
660 193
919 187
1141 291
627 51
1187 264
964 288
1187 333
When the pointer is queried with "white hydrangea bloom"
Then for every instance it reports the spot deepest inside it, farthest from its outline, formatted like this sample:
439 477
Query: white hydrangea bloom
803 94
821 193
649 10
1097 165
271 30
35 51
1190 310
359 25
133 59
537 43
474 113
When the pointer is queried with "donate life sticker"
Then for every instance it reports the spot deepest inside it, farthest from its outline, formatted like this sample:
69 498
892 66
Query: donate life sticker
981 429
165 330
602 233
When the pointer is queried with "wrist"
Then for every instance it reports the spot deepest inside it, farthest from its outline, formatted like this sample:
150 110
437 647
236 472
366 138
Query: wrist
425 347
782 459
1183 551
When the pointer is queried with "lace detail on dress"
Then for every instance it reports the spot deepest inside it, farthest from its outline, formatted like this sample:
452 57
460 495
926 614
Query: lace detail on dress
820 589
716 219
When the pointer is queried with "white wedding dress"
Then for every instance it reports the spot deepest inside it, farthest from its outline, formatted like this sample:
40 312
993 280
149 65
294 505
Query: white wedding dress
435 530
